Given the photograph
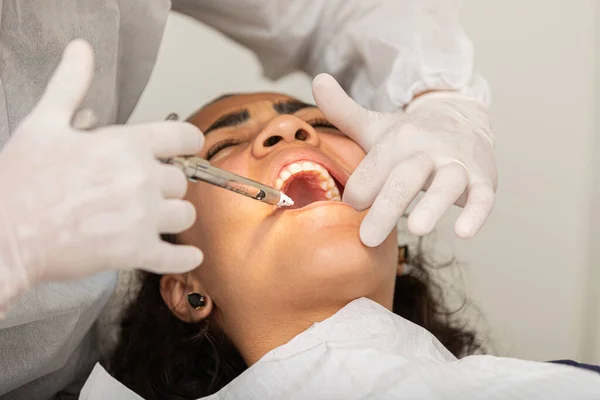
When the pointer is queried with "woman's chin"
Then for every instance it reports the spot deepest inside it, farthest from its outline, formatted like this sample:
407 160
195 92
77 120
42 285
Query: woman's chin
321 215
329 263
326 237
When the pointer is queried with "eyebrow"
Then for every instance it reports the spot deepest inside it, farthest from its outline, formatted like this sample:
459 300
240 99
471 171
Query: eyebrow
227 120
239 117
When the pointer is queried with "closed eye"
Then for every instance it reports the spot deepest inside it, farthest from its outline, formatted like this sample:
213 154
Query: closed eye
217 147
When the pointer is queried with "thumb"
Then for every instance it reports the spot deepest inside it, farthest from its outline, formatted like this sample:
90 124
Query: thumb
343 112
69 84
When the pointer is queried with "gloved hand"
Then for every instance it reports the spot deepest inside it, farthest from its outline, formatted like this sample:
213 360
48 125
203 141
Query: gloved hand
443 143
73 203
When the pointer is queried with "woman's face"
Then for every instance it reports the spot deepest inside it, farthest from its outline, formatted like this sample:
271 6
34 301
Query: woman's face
263 262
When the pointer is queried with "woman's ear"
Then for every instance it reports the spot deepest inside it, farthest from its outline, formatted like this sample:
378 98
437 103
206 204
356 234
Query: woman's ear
176 290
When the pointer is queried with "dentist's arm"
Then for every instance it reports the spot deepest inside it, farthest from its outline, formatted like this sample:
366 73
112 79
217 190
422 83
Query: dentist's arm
73 203
390 56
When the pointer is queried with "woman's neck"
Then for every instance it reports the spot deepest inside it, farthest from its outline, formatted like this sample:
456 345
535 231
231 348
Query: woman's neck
258 340
275 329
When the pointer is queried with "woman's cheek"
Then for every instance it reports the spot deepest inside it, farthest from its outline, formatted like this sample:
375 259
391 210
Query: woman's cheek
236 160
345 149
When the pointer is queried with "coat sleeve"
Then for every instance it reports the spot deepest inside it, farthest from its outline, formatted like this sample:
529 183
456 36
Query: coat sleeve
383 52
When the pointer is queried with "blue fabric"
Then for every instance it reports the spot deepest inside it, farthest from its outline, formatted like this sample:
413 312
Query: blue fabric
595 368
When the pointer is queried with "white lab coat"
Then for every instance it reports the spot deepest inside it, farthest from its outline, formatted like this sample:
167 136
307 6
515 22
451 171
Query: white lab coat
382 51
365 351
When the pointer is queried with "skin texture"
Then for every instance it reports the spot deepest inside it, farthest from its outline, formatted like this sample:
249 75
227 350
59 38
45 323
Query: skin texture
269 274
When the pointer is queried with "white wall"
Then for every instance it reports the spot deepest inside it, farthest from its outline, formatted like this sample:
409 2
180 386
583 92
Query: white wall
592 333
527 270
529 267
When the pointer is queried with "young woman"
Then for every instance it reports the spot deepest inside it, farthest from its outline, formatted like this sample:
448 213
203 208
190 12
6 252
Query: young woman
244 321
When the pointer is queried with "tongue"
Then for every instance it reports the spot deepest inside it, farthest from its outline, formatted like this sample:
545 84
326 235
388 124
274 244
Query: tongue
304 190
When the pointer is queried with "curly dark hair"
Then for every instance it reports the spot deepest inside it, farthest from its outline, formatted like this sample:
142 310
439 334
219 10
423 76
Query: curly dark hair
161 357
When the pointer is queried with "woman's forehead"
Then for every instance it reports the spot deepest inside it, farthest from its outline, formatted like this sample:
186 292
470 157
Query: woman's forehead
229 103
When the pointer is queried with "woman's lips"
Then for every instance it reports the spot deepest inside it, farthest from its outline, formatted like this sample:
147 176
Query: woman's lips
312 206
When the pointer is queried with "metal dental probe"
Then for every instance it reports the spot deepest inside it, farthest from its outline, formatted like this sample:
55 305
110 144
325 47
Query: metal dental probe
198 169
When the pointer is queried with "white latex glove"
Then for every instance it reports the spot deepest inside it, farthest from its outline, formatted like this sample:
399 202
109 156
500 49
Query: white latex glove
73 203
443 143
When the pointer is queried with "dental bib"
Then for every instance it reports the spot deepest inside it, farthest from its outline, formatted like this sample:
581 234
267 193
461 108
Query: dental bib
365 351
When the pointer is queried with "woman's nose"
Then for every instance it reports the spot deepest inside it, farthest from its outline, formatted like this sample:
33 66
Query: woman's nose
281 130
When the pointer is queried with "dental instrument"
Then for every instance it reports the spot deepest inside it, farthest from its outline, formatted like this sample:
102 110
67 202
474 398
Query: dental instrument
198 169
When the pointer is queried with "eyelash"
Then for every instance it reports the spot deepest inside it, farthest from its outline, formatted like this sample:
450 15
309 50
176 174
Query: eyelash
220 146
317 123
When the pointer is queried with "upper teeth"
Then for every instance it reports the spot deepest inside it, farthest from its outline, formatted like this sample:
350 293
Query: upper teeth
326 182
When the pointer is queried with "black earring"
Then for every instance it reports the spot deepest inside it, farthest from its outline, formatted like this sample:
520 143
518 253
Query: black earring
197 301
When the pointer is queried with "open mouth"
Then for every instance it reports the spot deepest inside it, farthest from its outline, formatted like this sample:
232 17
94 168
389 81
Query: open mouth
307 182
